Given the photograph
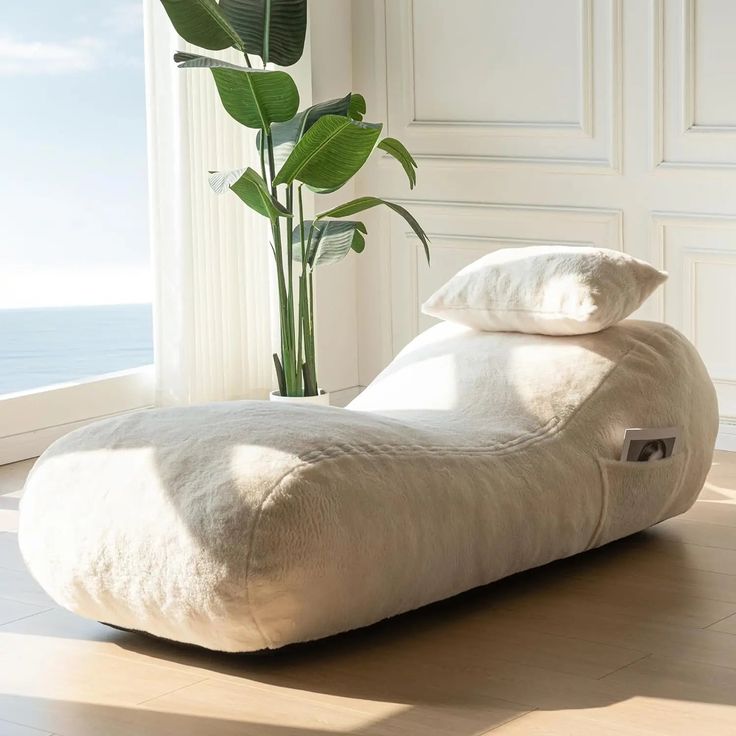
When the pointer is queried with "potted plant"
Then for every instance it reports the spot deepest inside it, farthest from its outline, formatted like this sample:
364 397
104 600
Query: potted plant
321 148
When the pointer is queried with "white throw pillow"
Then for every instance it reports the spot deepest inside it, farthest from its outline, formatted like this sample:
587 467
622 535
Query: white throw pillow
547 290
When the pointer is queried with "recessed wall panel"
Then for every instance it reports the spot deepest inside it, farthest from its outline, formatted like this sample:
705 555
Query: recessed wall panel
498 61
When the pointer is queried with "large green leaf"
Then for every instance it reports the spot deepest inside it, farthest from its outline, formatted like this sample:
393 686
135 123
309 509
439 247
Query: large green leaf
251 188
221 181
203 23
357 107
328 241
286 135
272 29
396 148
186 60
254 97
365 203
331 152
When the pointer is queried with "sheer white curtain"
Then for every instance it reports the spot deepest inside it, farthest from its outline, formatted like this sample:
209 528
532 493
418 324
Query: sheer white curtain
214 316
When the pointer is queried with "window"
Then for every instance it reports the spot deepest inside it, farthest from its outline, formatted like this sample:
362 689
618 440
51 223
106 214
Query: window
74 256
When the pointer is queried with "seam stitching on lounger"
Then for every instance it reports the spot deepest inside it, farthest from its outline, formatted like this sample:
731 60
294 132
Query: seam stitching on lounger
251 539
598 531
603 382
604 490
552 427
340 452
373 450
683 458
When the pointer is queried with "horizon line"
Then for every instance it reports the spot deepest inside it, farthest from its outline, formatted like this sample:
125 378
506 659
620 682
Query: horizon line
74 306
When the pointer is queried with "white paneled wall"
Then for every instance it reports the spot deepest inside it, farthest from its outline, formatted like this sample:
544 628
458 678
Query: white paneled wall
611 122
537 83
695 69
330 51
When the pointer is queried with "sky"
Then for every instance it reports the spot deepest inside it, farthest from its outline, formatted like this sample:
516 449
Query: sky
73 197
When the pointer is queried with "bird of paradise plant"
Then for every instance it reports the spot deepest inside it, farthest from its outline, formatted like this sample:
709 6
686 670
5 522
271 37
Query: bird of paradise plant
321 148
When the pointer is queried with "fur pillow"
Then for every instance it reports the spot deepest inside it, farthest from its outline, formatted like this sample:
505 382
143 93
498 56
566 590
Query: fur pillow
547 290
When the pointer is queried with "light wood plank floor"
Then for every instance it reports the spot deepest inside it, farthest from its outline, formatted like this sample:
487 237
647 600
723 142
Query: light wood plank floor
637 638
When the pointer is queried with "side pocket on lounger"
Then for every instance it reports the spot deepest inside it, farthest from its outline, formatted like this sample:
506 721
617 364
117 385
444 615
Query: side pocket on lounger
637 495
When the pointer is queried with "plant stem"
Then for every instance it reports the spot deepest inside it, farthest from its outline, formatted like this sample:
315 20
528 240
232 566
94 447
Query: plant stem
309 351
262 151
279 259
302 277
313 360
276 250
290 273
310 370
271 161
289 360
283 316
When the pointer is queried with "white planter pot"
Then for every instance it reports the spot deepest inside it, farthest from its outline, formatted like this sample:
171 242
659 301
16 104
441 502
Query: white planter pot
322 399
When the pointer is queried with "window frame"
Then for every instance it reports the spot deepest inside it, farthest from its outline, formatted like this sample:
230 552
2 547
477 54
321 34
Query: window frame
31 420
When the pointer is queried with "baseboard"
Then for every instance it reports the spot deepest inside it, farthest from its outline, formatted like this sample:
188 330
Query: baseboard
345 395
726 439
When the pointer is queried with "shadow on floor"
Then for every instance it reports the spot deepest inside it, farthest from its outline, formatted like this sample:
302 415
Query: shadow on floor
530 639
540 640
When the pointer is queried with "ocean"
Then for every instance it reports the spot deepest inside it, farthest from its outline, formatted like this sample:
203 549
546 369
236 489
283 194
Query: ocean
44 346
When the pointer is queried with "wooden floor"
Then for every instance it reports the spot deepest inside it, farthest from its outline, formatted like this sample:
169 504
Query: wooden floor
636 638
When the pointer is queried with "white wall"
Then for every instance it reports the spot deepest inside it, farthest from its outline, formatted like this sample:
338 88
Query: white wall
575 121
330 49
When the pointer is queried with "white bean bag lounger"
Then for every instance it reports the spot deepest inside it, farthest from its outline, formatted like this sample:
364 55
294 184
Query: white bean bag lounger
243 526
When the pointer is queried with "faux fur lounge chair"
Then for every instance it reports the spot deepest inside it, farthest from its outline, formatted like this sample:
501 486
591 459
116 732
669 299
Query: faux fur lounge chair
248 525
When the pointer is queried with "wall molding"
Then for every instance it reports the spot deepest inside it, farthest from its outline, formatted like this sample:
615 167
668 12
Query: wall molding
610 216
690 258
687 129
582 127
663 219
423 136
689 41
